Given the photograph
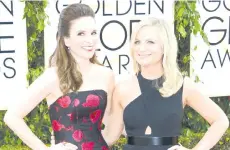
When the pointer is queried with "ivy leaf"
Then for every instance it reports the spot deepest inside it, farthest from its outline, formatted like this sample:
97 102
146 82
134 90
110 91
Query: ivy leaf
205 38
193 6
40 26
186 59
185 22
190 115
180 12
195 31
195 48
182 31
29 14
197 79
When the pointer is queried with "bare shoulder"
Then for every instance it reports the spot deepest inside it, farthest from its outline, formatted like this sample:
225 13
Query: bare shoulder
105 72
52 71
190 90
47 80
50 78
50 75
125 85
189 85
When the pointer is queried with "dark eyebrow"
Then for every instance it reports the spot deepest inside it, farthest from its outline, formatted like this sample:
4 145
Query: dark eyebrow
85 31
80 31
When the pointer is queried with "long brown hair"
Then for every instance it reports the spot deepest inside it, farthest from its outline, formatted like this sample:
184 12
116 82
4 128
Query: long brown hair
70 78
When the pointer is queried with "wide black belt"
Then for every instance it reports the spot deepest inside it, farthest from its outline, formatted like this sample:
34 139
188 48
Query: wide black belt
145 140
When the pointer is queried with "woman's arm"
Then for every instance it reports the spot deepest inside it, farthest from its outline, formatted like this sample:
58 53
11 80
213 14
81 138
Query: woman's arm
38 90
115 121
210 111
111 86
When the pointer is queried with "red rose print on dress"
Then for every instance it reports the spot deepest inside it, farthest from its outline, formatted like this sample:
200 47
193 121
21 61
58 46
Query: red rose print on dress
94 116
84 120
76 102
70 128
100 125
71 116
104 148
57 126
64 101
77 135
91 101
87 146
100 140
56 108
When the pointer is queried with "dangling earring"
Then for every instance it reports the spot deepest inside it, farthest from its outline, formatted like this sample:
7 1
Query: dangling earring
68 49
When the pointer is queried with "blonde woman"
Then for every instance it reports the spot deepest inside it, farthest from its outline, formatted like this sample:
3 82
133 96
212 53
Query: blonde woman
150 103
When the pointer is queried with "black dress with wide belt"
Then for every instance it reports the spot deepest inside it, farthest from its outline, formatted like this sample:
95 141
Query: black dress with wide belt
162 115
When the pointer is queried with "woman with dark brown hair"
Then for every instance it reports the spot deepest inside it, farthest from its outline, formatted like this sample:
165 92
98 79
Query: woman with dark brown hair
77 88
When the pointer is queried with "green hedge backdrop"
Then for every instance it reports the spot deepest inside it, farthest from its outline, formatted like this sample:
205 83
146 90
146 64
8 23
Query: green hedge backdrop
186 23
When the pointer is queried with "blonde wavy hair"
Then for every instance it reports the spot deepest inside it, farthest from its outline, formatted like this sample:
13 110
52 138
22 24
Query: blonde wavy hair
172 78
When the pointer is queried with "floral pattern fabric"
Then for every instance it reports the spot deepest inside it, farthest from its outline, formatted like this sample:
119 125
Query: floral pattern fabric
77 118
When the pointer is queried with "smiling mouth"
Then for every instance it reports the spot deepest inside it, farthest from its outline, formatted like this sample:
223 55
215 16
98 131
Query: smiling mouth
88 48
144 55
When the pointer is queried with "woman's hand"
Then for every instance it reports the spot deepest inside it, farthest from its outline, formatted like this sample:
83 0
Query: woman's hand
63 146
178 147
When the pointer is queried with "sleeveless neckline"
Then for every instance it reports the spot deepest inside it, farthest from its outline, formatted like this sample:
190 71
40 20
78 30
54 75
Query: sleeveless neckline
150 109
145 84
158 78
